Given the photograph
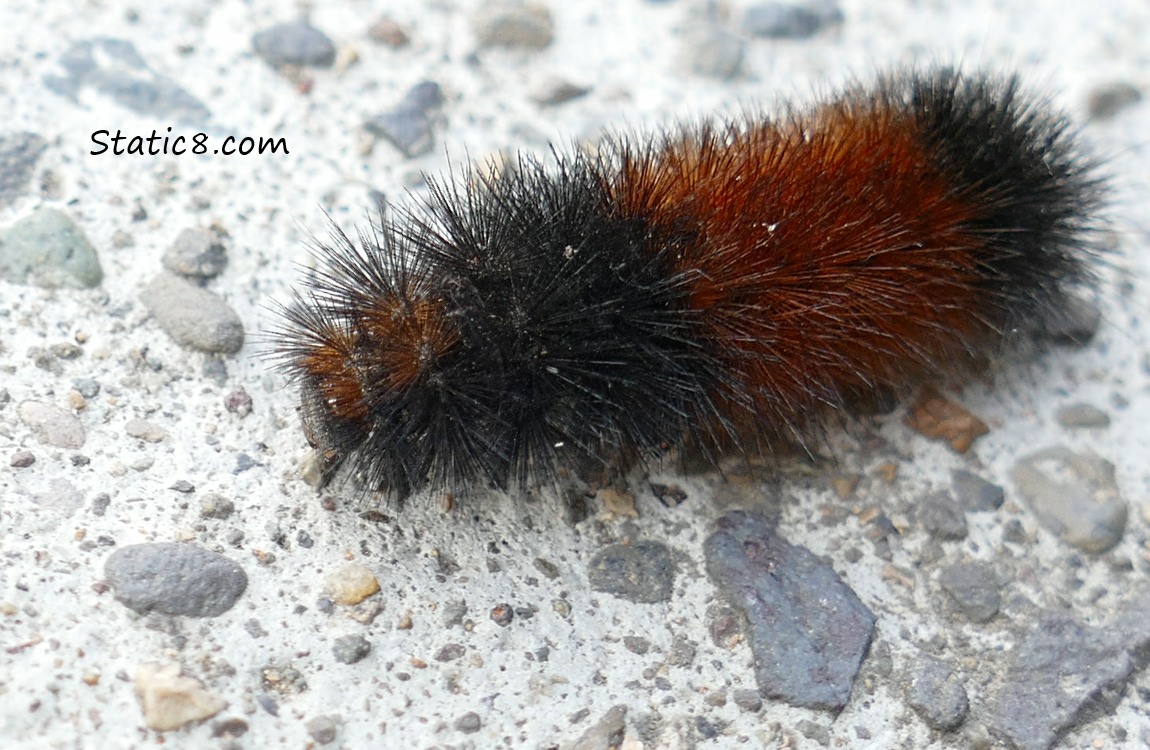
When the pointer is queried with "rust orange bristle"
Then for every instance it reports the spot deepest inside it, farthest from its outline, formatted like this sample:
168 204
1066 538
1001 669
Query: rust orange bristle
722 284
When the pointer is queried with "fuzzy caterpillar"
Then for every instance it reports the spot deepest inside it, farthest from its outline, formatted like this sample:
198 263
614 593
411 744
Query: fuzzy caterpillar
723 283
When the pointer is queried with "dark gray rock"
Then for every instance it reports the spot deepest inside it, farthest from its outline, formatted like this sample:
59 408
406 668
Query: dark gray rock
19 153
937 694
294 43
640 572
974 493
1074 495
349 649
1063 674
973 588
791 20
47 249
192 316
808 631
942 517
410 125
174 579
115 69
748 700
196 253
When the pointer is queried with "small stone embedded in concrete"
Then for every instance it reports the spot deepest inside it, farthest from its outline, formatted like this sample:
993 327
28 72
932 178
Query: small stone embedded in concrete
351 584
388 31
808 631
682 651
115 69
174 579
502 615
636 644
196 253
942 517
322 729
409 126
1107 100
547 568
19 153
937 694
608 731
52 425
974 493
171 700
192 316
748 700
791 20
454 612
294 43
1082 415
469 723
1074 495
22 459
555 91
973 588
711 50
216 506
515 25
935 416
144 430
1062 674
239 402
642 572
450 652
47 249
349 649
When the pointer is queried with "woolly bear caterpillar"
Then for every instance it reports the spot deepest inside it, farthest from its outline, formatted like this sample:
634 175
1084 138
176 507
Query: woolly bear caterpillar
723 283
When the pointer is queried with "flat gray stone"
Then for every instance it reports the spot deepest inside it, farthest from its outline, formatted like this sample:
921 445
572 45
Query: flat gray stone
52 425
174 579
197 254
1063 674
974 493
942 517
115 69
1074 495
410 125
641 572
513 25
47 249
974 589
294 43
192 316
807 630
791 20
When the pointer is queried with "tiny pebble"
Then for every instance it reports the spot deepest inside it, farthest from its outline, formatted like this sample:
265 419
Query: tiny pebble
469 723
349 649
192 316
294 43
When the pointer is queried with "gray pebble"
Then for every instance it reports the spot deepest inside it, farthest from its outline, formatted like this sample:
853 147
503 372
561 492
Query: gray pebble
469 723
1109 99
640 572
606 732
555 91
450 652
197 254
294 43
115 69
145 430
1062 674
216 506
1082 415
974 493
453 613
682 651
791 20
322 729
1074 495
47 249
52 425
174 579
974 589
942 517
636 644
936 693
192 316
816 732
748 700
19 153
710 50
518 25
349 649
87 387
808 631
22 459
409 126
